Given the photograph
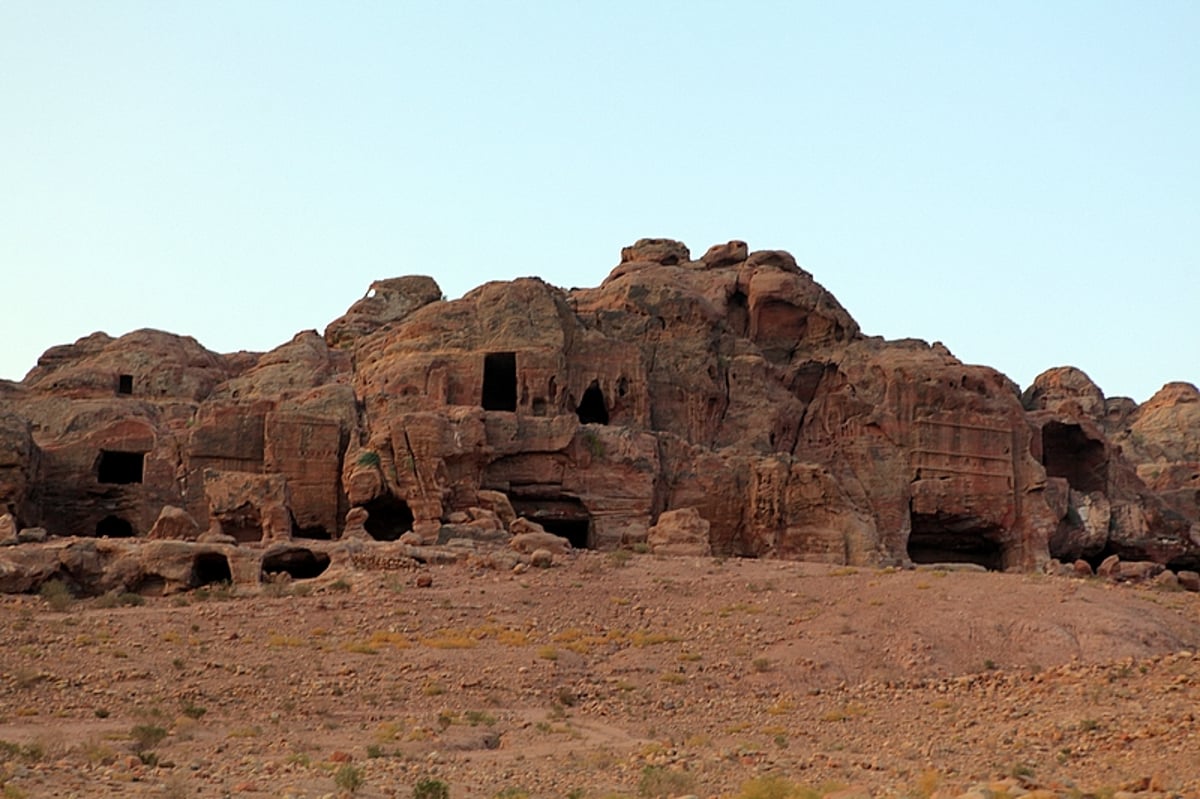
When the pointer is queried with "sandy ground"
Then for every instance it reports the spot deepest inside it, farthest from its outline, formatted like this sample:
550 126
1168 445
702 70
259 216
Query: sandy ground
607 676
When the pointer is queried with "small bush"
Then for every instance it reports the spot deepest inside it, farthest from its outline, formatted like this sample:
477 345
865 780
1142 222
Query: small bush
431 789
659 781
512 793
771 787
147 736
56 594
117 599
193 711
368 458
477 717
349 778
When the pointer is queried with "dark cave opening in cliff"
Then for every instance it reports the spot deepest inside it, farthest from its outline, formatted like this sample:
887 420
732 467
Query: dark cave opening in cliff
120 468
209 568
124 384
1190 562
936 538
500 381
1068 452
738 313
299 562
592 408
313 532
563 516
114 527
388 518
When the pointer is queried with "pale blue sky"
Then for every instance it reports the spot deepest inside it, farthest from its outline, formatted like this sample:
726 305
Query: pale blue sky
1018 180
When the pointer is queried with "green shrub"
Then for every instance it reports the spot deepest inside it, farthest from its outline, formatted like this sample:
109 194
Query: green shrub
56 594
659 781
431 789
368 458
147 736
349 778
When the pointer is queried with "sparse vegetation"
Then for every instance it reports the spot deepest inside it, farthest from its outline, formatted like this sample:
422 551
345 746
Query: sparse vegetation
147 736
429 788
119 599
368 458
348 778
57 594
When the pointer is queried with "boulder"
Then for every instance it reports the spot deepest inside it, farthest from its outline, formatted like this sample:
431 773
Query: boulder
682 531
8 530
531 541
175 524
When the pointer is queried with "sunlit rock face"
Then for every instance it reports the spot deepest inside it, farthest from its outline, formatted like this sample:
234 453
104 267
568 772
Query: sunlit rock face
726 404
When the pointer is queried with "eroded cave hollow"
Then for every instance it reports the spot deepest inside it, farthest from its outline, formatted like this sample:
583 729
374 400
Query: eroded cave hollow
941 539
1068 452
388 518
564 516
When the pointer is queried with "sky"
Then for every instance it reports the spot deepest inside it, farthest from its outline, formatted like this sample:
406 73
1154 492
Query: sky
1018 180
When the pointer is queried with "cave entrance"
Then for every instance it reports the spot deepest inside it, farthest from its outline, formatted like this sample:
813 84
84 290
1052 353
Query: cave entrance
737 313
114 527
563 516
120 468
209 568
315 532
388 518
299 562
500 381
1068 452
936 538
124 384
592 408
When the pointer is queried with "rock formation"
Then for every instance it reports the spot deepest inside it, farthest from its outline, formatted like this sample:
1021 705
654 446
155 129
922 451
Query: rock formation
729 396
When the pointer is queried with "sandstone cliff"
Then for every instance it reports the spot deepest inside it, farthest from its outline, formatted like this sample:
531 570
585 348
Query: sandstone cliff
732 386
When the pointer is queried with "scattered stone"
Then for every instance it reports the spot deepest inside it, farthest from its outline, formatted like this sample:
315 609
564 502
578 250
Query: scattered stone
33 535
1189 580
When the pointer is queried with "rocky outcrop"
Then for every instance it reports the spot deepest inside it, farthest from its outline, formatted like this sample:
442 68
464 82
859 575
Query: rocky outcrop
727 404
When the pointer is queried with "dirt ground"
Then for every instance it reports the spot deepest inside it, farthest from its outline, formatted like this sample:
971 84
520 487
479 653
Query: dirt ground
607 675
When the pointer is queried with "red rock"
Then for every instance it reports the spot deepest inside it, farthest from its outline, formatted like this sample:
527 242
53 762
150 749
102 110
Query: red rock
735 385
682 531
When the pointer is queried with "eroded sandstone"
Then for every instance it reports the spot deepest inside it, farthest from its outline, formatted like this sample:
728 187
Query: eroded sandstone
727 404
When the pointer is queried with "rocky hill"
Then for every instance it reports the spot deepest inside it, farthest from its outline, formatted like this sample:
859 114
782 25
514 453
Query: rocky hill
726 404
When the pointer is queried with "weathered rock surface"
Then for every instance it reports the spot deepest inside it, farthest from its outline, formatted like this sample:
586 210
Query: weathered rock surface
734 385
680 532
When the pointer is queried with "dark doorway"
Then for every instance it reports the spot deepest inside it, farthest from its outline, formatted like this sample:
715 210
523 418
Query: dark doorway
388 518
124 384
1068 452
121 468
562 516
592 408
299 562
737 313
500 381
210 567
316 532
936 538
114 527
